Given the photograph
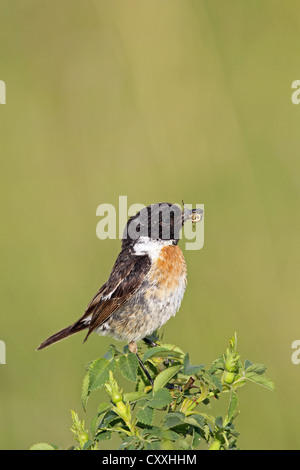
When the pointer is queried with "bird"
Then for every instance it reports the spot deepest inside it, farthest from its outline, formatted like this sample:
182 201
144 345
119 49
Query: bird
147 282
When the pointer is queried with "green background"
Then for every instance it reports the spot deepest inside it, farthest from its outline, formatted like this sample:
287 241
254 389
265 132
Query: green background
159 101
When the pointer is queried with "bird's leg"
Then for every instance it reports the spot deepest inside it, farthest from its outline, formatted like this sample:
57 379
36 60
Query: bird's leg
145 370
133 348
150 342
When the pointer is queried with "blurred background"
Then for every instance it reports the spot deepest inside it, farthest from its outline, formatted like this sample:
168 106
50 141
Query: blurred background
158 101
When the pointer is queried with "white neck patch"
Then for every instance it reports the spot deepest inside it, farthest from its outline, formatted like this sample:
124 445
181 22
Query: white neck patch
152 248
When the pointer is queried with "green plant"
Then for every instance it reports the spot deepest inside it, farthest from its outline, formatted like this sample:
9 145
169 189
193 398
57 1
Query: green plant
177 412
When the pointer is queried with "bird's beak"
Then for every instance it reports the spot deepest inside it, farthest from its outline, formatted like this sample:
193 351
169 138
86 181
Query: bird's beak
195 215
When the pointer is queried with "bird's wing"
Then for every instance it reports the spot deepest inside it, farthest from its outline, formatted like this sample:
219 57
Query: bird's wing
126 277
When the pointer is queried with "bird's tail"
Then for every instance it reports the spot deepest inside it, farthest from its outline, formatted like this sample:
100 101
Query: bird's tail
70 330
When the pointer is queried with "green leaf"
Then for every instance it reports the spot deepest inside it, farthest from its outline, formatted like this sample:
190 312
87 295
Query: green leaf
160 399
212 380
132 397
173 419
261 380
257 368
207 432
196 437
233 343
85 390
232 405
239 383
157 432
103 408
195 420
87 445
143 402
99 372
166 350
154 445
104 436
128 443
218 364
169 435
188 369
247 364
145 415
129 366
112 351
219 422
163 377
109 417
42 446
183 444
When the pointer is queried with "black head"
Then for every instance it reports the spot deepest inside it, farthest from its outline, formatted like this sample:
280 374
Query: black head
162 222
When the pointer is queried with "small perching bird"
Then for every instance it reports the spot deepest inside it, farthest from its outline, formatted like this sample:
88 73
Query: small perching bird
147 282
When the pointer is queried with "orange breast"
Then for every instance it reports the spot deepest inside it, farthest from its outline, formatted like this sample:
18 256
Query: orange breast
169 269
